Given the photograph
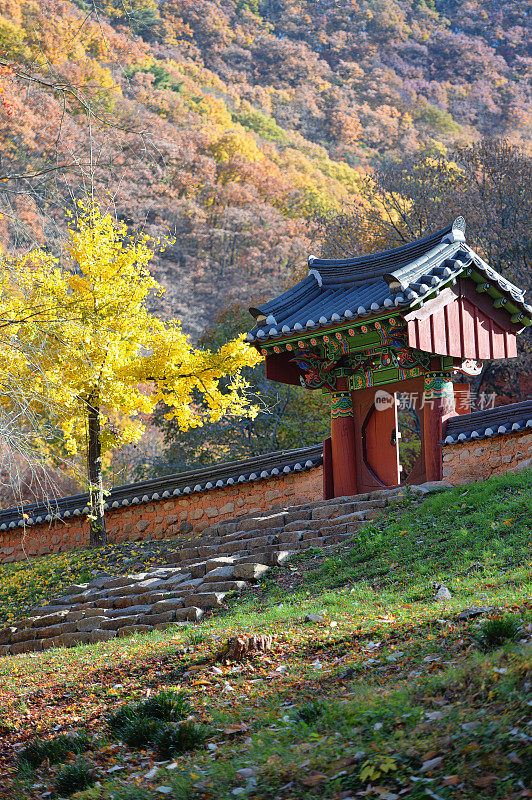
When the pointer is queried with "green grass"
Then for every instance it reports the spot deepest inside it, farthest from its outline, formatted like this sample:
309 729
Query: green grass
309 712
496 632
179 739
469 538
391 691
148 723
53 750
165 705
140 732
74 778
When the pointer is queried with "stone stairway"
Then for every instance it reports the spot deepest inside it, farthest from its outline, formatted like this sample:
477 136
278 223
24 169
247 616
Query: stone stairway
225 558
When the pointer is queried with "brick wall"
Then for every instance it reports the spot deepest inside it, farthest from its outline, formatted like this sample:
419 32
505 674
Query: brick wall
478 460
183 516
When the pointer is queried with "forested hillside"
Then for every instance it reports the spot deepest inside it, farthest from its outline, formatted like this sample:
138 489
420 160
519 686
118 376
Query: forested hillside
231 126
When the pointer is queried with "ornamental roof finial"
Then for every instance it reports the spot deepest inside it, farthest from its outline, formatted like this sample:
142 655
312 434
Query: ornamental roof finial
459 224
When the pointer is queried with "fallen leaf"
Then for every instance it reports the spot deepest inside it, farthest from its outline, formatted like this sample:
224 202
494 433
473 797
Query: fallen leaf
485 780
314 779
432 763
450 780
236 727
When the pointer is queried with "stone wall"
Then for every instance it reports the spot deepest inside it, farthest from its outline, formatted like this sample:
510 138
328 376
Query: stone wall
184 516
187 515
478 460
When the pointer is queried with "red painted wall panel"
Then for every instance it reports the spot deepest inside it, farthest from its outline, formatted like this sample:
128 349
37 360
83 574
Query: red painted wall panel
424 335
452 318
483 327
497 341
511 344
438 330
462 330
469 338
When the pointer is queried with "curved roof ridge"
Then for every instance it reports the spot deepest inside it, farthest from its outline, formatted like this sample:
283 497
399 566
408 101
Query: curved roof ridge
402 254
489 414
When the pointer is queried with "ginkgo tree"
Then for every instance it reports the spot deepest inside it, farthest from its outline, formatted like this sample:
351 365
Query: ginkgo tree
104 360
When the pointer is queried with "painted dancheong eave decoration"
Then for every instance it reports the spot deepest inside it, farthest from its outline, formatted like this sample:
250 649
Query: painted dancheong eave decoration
406 320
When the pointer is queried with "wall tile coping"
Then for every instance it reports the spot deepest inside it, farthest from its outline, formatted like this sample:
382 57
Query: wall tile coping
183 483
490 422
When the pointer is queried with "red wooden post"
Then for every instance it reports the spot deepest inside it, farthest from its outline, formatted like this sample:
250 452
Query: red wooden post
328 482
462 398
343 444
438 405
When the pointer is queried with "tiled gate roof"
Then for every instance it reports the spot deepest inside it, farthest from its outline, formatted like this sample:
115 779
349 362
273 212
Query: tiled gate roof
342 289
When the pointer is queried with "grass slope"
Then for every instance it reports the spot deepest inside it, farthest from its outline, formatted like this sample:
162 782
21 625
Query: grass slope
386 695
34 582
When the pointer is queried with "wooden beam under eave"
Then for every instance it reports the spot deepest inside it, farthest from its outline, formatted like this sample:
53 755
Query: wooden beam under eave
281 368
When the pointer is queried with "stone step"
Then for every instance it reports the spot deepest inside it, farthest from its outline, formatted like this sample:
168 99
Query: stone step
263 522
223 559
238 536
225 586
252 544
117 613
290 537
357 518
251 571
376 494
172 604
120 622
205 600
220 573
231 530
271 558
315 542
332 511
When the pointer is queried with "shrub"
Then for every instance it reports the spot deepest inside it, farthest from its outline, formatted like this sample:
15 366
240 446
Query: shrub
55 750
260 123
185 736
496 632
139 724
309 712
139 732
165 705
124 716
74 778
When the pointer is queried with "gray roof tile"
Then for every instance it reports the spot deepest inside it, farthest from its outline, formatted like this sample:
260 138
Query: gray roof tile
198 480
347 288
490 422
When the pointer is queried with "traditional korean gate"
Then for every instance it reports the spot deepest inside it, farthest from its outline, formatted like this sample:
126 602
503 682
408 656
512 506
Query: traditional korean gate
406 320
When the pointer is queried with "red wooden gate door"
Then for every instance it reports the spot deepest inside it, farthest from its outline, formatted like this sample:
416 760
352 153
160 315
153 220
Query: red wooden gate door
380 439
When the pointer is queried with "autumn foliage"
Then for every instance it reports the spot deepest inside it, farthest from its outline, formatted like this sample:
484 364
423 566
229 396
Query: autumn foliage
231 124
82 345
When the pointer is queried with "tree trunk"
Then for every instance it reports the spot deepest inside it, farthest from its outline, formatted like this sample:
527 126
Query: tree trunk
98 533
